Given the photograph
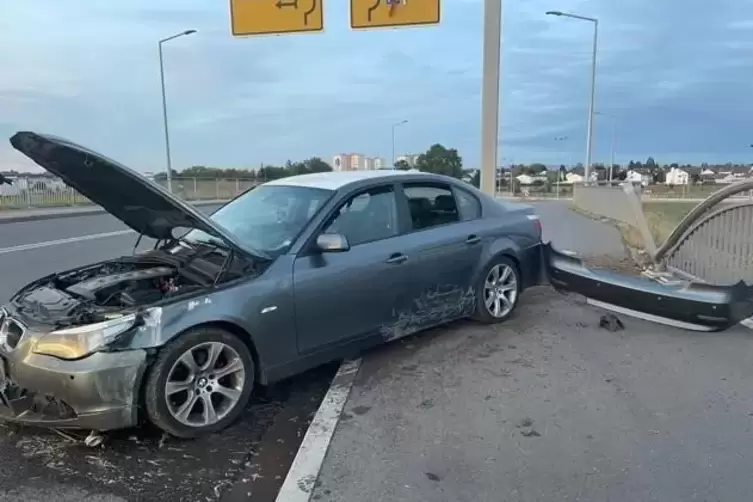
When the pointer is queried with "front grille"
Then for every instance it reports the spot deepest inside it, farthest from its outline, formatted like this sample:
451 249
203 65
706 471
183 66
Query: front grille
15 332
11 332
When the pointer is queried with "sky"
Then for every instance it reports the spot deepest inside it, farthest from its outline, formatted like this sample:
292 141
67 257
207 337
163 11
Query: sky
674 81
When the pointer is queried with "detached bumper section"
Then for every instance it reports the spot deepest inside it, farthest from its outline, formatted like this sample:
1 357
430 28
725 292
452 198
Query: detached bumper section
706 306
99 392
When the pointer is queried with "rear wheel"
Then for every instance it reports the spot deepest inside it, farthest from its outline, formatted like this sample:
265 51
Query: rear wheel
200 383
497 291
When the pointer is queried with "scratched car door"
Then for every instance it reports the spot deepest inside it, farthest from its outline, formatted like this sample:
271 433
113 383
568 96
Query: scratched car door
444 253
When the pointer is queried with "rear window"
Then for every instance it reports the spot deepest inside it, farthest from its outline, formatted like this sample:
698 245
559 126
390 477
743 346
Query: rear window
468 204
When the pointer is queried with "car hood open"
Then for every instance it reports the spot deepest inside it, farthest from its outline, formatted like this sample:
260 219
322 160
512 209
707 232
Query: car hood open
142 205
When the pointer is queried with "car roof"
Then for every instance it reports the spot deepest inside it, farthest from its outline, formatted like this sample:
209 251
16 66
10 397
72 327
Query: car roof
334 180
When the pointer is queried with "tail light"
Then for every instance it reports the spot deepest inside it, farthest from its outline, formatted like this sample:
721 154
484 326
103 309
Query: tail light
536 224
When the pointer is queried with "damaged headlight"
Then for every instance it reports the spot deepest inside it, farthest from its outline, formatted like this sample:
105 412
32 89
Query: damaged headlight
78 342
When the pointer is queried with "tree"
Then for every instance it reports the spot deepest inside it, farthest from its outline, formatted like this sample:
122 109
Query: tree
317 165
440 160
402 165
163 176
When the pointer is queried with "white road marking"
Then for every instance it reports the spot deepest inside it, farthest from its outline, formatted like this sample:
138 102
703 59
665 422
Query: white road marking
70 240
301 479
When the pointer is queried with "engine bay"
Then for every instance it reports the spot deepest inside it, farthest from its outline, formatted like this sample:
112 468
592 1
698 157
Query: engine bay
88 294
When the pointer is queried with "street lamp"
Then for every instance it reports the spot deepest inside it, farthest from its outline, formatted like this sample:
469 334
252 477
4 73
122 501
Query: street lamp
164 106
396 124
611 153
589 134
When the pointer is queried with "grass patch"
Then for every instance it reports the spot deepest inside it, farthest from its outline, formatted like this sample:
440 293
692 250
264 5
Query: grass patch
662 218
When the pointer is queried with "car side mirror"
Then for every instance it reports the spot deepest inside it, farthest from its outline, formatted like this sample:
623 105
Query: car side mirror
332 243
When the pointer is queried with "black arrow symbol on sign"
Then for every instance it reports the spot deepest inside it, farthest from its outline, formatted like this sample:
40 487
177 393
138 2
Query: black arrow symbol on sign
372 9
291 3
308 13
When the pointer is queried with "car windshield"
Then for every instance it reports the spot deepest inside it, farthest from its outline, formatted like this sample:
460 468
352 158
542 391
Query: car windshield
267 218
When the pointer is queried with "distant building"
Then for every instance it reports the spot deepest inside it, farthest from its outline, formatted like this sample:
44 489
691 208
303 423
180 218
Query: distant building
356 162
371 163
634 176
573 178
677 176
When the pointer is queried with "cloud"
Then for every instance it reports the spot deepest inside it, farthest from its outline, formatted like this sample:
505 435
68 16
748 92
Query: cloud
674 81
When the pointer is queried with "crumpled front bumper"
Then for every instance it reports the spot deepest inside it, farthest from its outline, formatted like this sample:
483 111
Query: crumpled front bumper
99 392
693 305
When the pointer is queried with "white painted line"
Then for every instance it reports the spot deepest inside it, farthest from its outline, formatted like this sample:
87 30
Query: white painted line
748 323
70 240
301 479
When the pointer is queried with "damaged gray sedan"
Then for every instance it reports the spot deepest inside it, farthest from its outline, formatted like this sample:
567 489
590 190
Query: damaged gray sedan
287 276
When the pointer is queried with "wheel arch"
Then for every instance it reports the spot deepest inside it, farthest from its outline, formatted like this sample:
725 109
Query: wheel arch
503 247
243 334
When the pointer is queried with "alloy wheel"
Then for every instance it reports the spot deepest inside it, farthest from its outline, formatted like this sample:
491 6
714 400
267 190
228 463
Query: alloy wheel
500 290
205 384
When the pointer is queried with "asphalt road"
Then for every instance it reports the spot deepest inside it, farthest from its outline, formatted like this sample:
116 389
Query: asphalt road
545 407
139 464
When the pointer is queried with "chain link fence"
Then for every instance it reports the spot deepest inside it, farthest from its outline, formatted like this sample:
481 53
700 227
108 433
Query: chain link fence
27 193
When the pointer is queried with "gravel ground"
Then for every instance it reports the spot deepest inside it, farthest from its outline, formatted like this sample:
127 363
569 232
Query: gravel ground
142 464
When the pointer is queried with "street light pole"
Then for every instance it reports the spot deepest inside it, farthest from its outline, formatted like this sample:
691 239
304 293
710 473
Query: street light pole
589 134
396 124
611 149
164 106
611 152
490 93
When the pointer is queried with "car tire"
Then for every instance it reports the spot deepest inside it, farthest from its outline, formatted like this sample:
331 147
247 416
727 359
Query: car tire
214 393
491 307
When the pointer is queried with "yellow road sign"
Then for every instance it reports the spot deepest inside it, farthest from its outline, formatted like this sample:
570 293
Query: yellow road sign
268 17
366 14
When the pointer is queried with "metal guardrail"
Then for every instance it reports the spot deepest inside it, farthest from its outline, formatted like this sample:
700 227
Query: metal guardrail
714 242
44 192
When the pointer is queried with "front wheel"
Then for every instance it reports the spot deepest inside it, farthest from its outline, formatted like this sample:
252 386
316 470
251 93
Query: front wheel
497 291
200 383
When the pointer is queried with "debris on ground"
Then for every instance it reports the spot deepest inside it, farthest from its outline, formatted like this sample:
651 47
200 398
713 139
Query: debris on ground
611 322
526 422
66 435
94 439
531 433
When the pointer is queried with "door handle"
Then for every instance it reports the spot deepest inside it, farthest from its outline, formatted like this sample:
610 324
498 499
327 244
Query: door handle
397 259
473 239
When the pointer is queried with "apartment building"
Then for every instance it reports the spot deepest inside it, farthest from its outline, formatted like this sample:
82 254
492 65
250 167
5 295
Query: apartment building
356 162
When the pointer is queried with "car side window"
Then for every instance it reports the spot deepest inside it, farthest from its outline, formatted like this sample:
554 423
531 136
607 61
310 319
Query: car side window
431 205
468 205
366 217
